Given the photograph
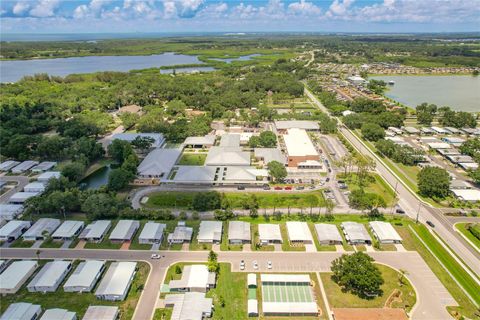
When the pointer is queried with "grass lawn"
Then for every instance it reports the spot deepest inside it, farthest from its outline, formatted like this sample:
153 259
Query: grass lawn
49 243
19 243
463 228
339 299
449 262
177 199
163 314
375 185
192 159
105 243
286 246
224 245
79 302
135 245
194 245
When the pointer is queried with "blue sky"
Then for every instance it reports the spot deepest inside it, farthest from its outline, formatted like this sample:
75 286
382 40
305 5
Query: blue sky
102 16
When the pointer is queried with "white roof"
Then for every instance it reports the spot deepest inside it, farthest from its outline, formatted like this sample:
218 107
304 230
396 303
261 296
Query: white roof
252 306
356 78
21 311
159 161
85 274
205 140
239 230
117 279
24 166
327 232
68 229
58 314
277 277
49 175
193 276
15 273
50 274
439 145
13 226
22 196
300 124
10 210
195 174
252 279
41 226
124 230
7 165
453 140
229 156
240 173
189 305
101 313
152 231
468 165
439 130
355 231
34 187
467 194
453 130
158 137
298 231
384 231
230 140
210 231
269 232
270 154
310 163
44 166
181 233
96 229
298 143
411 129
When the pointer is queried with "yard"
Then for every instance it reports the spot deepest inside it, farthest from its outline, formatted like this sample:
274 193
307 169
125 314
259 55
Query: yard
340 299
79 303
375 184
192 159
463 229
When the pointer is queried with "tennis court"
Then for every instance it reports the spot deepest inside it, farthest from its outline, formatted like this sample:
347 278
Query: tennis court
286 292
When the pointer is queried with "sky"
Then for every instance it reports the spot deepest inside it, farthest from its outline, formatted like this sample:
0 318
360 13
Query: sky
177 16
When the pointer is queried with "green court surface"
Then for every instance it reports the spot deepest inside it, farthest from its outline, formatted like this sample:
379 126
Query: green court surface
286 292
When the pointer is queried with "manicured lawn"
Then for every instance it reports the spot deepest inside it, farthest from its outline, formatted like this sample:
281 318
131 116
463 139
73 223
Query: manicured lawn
463 228
19 243
449 262
49 243
135 245
176 199
163 314
340 299
79 302
192 159
375 185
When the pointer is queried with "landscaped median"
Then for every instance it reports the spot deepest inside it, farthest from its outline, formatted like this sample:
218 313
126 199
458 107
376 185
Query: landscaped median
470 232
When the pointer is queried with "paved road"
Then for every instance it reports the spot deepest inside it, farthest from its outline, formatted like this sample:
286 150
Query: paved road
21 181
432 296
412 205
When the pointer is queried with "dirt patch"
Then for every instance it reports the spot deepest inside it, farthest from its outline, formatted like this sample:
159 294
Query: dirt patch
369 314
80 244
125 245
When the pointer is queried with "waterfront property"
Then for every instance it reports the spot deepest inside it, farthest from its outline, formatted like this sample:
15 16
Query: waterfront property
116 282
16 274
46 176
158 163
50 276
85 276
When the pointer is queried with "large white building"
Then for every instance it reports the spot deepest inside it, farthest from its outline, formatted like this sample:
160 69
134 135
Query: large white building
50 276
85 276
299 148
116 282
22 311
41 229
284 125
96 230
158 163
68 230
13 230
210 232
195 278
16 274
124 230
152 232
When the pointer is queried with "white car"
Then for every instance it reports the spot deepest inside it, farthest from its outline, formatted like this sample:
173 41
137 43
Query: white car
269 265
242 265
255 265
155 256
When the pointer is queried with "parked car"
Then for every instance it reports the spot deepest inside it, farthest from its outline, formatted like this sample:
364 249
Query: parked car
300 188
328 179
269 265
240 188
155 256
430 223
266 187
278 188
255 265
242 265
288 188
399 209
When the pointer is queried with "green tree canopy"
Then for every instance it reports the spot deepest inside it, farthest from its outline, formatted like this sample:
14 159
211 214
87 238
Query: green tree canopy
372 131
277 170
433 182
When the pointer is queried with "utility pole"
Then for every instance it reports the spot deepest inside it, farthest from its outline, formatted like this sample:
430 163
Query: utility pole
418 211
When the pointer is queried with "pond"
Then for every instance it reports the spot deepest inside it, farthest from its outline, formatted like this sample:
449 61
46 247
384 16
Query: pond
461 93
14 70
241 58
96 179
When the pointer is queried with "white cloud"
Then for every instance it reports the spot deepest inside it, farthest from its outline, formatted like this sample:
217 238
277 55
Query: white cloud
45 8
20 8
81 12
304 8
339 7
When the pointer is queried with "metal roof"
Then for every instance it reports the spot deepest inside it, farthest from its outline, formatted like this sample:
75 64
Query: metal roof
44 166
15 273
50 274
101 313
270 154
7 165
152 231
195 174
384 231
205 140
210 231
467 194
10 211
21 311
181 233
252 279
228 156
298 231
158 162
252 306
22 196
58 314
327 232
230 140
239 230
49 175
124 230
300 124
158 137
96 229
117 279
12 227
24 166
68 229
298 143
269 232
34 187
189 306
85 274
193 276
355 231
240 173
41 226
